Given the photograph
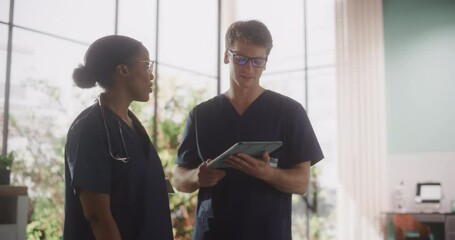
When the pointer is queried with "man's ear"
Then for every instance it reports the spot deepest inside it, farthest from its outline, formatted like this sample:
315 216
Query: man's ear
226 57
122 69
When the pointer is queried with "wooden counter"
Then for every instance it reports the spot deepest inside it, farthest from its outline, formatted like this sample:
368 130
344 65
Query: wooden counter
13 212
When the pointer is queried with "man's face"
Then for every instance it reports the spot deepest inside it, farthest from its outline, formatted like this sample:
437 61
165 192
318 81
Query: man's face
252 57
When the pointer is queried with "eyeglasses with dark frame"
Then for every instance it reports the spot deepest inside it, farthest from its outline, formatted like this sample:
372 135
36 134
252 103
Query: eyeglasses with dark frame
243 60
124 159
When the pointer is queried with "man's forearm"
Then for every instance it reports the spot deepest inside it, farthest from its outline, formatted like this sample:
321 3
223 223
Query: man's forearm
185 179
293 180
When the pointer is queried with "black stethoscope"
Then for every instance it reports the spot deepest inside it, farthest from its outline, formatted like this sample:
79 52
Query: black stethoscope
117 157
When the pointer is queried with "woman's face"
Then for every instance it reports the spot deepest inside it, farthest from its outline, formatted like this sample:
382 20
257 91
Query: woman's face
139 82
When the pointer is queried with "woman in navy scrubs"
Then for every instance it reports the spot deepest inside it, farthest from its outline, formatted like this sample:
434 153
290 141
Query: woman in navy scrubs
114 182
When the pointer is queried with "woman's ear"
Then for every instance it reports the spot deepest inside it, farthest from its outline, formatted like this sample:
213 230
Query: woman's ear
122 69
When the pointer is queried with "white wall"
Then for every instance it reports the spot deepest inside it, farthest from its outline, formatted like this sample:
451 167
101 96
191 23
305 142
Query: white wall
413 168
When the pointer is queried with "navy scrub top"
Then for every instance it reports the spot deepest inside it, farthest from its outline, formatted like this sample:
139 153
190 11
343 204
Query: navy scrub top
137 189
240 206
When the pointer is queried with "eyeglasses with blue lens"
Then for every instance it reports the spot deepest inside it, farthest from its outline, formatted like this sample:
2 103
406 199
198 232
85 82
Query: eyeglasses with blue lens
243 60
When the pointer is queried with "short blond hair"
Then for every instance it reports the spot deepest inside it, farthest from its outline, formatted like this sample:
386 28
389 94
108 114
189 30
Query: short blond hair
251 31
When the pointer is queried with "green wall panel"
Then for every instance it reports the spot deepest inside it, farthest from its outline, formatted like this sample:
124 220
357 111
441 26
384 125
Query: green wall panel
420 75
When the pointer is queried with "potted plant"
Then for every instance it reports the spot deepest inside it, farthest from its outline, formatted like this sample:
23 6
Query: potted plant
6 162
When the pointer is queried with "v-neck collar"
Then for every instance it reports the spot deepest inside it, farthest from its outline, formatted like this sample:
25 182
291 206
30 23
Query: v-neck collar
231 106
137 132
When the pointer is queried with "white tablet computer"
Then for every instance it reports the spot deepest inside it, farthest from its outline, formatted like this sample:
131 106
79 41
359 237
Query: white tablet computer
255 149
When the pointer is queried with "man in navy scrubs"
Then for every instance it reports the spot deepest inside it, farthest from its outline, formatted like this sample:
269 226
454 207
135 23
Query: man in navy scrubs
250 199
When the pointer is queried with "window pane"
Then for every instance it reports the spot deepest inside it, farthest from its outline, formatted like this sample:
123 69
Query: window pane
322 113
137 19
188 40
322 110
287 32
43 103
82 20
291 84
3 47
187 56
321 33
180 90
42 91
4 11
285 67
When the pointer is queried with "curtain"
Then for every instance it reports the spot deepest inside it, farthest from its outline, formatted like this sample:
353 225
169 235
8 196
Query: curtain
361 197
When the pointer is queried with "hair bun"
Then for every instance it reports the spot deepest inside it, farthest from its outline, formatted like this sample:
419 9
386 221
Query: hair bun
83 77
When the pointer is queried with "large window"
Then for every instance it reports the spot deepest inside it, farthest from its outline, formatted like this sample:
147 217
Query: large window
50 38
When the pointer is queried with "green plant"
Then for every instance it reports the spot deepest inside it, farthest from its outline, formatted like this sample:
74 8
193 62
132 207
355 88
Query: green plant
39 164
6 161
